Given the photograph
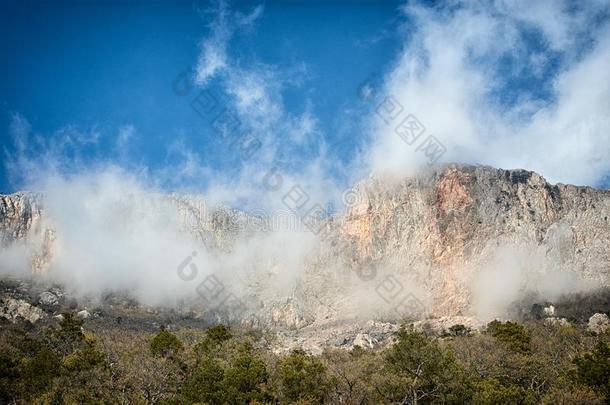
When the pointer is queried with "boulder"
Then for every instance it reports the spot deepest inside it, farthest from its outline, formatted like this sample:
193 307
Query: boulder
598 323
48 298
549 311
365 341
13 309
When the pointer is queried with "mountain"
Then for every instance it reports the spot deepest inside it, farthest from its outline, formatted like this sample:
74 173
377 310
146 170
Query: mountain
454 241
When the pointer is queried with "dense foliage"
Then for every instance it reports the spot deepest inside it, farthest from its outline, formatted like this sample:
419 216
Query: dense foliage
508 363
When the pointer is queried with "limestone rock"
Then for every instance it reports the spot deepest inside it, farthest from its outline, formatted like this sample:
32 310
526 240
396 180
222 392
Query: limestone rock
598 323
549 311
13 309
365 341
345 335
19 214
48 298
556 321
438 326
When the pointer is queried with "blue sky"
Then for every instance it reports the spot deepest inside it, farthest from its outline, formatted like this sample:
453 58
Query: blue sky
84 86
100 68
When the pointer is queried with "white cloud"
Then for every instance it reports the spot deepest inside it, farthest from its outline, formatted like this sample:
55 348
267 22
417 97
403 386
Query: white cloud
33 155
213 58
255 92
448 76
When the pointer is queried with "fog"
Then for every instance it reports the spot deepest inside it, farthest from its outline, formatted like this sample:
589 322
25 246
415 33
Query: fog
519 275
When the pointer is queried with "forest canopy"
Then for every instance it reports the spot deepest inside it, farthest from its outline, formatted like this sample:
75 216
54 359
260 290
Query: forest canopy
508 362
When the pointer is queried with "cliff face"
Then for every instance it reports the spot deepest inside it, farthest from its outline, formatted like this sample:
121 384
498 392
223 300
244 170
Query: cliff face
444 238
450 226
20 222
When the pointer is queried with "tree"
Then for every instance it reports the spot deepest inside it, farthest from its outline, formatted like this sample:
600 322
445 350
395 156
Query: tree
85 358
26 366
245 379
351 374
490 359
231 374
36 373
302 377
418 370
165 344
459 330
214 337
68 337
594 369
205 383
83 377
572 395
135 374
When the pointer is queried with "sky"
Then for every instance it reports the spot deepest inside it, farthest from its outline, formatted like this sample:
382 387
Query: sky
210 97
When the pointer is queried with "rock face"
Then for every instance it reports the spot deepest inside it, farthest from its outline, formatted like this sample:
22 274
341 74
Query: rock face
20 221
410 248
19 214
446 226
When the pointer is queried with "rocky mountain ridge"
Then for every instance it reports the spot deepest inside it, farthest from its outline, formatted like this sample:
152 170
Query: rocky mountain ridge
453 241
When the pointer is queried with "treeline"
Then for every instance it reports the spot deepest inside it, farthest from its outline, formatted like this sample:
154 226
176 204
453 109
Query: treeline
508 363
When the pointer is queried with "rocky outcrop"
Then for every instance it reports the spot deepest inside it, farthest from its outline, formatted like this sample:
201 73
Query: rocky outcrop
344 335
16 309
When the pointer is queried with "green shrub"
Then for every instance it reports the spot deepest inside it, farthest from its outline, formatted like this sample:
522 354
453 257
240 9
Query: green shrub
459 330
513 335
84 359
165 344
68 337
214 337
594 368
492 392
36 373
